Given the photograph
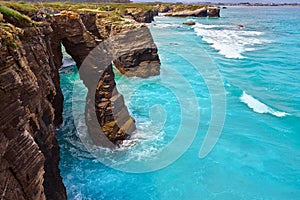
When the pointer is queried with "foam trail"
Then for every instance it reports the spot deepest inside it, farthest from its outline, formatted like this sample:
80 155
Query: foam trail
229 40
258 106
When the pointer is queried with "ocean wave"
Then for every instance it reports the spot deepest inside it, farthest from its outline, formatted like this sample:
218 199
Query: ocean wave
258 106
231 41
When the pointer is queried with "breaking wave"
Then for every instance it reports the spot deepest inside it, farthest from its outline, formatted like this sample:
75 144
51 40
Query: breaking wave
258 106
230 40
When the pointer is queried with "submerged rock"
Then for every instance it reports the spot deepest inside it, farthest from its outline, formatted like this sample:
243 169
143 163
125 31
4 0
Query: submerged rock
189 23
240 26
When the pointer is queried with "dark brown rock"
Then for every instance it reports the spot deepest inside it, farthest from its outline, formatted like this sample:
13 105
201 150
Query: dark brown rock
32 100
29 150
74 35
213 12
89 20
79 43
40 59
114 115
189 23
136 53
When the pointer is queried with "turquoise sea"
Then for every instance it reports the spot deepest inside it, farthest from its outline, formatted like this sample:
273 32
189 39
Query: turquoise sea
239 74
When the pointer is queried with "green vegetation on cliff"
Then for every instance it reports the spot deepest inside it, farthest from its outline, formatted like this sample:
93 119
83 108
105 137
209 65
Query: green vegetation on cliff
100 6
8 12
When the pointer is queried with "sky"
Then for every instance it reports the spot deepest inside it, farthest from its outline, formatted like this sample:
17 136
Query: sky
226 1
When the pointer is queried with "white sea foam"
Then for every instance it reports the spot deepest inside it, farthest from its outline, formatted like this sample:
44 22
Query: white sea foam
68 61
144 143
167 25
230 41
258 106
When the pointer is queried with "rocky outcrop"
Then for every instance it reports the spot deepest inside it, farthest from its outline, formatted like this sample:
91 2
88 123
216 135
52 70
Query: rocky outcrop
103 27
132 45
140 15
90 20
29 148
20 156
71 31
201 12
164 8
136 53
191 23
213 12
79 43
32 100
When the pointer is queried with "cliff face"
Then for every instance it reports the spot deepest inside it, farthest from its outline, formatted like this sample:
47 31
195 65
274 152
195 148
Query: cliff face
18 148
29 149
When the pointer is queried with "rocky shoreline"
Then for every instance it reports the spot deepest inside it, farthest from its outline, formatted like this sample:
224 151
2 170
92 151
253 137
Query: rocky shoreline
32 101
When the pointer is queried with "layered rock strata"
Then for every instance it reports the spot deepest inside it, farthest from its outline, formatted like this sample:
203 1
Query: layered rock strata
136 53
78 43
32 100
29 148
133 48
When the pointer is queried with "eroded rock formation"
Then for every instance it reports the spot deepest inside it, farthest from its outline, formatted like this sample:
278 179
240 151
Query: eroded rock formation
136 53
201 12
133 48
213 12
32 100
78 43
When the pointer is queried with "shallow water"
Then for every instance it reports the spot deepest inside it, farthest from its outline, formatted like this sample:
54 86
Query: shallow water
257 155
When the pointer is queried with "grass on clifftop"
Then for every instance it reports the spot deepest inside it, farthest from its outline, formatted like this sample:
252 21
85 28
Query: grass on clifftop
27 7
8 12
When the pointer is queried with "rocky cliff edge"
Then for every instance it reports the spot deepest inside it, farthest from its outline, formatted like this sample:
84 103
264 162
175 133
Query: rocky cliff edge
32 100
